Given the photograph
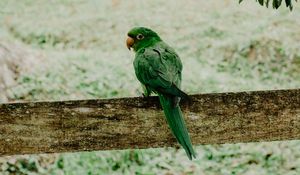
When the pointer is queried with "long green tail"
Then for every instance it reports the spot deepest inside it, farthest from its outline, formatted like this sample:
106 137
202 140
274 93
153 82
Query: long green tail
176 122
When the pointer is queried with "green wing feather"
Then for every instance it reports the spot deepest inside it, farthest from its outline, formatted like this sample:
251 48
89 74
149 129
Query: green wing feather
159 69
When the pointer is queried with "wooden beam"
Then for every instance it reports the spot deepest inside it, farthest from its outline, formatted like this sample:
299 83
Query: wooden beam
105 124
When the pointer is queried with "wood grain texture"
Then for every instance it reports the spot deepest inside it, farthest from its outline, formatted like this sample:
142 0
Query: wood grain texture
105 124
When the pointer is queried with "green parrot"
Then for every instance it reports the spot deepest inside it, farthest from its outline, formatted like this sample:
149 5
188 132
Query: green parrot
158 67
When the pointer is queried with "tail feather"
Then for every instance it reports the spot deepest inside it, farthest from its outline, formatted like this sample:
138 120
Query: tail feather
176 122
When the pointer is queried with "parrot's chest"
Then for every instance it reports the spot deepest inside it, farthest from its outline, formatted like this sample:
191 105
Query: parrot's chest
141 67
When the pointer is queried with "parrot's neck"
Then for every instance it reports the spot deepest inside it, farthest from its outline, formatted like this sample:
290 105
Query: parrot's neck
146 44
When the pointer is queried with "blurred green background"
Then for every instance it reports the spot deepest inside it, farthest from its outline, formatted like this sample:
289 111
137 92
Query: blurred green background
76 50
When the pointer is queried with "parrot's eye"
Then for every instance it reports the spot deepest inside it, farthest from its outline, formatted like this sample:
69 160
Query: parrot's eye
140 37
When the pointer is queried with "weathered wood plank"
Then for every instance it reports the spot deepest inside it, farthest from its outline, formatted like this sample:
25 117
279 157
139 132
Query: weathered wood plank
67 126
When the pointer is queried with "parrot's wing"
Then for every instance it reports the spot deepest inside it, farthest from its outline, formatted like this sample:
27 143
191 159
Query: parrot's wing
160 69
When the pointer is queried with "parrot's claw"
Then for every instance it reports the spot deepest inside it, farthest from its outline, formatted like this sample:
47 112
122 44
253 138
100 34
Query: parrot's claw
144 95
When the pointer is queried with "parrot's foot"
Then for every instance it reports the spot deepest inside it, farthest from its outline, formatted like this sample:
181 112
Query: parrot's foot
189 101
145 95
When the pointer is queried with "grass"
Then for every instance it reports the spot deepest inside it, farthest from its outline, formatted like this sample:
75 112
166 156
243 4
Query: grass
224 46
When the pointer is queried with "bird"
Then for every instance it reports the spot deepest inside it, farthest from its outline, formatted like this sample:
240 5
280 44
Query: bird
158 68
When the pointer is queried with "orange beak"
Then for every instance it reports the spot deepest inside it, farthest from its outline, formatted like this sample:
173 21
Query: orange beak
129 42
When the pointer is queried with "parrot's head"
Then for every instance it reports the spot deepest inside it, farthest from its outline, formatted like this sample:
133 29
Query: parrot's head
141 37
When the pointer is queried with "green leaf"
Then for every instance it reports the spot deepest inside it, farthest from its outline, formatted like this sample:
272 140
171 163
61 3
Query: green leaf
275 4
287 3
261 2
279 3
267 3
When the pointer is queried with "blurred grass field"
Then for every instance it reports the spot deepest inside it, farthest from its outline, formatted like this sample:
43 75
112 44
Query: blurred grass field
224 46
